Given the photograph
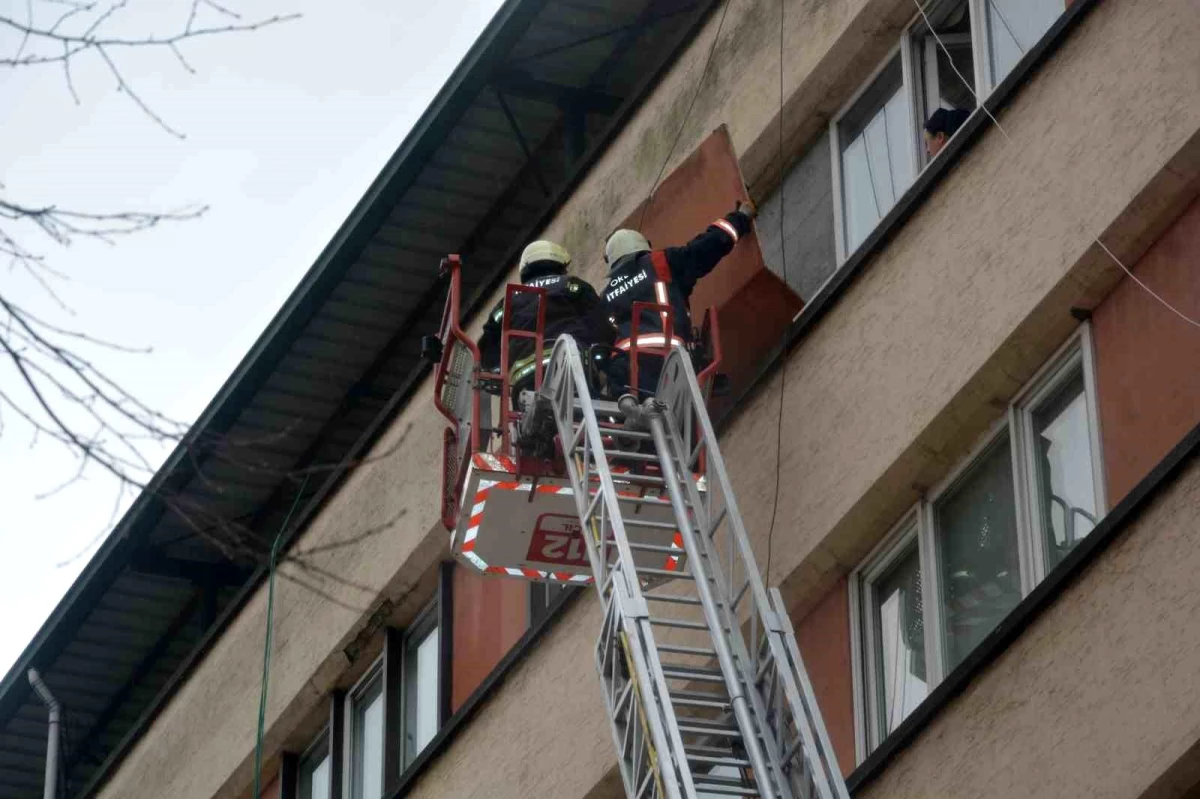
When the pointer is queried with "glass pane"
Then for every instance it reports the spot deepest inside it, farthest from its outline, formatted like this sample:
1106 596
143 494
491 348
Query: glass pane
977 553
1063 462
1014 26
876 139
422 694
314 777
899 630
367 742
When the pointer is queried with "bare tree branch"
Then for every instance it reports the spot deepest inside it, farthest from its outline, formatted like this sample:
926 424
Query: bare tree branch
60 392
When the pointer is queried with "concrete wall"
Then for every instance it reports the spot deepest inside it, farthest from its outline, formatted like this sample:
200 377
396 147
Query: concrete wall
881 397
1098 697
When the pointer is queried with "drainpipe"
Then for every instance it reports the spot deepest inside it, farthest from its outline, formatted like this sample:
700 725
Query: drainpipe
51 788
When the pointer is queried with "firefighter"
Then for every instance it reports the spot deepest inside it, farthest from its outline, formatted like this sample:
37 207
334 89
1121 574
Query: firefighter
662 277
572 306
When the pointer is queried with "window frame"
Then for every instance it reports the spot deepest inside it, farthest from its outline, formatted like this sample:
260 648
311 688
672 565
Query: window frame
321 747
426 622
904 50
364 685
910 48
1076 353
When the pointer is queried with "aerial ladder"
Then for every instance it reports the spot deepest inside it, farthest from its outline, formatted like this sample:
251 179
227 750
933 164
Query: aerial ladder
701 676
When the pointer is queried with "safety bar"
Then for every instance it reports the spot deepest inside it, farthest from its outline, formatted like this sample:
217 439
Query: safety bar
451 267
507 333
668 332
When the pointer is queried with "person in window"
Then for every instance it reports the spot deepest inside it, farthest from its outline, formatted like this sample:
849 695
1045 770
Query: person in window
941 125
661 277
572 307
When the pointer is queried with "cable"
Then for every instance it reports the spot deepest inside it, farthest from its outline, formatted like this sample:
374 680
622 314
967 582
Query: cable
783 262
683 122
262 696
999 127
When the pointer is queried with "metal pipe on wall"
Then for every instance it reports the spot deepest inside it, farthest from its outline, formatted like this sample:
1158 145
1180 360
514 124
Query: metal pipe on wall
55 720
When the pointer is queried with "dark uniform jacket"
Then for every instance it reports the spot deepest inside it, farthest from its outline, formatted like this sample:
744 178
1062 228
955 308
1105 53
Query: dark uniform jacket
661 277
572 306
667 277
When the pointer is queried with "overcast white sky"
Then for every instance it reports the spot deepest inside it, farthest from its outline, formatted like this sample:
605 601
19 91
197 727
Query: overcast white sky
286 127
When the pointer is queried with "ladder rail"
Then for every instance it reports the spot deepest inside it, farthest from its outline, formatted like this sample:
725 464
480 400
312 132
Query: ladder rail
736 682
564 384
812 753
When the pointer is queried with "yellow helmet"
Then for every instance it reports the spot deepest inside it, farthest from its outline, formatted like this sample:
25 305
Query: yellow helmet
624 242
539 252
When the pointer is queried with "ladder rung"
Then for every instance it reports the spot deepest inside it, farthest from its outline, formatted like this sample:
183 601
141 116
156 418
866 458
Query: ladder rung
639 479
709 724
717 704
680 623
701 651
665 572
717 760
622 454
642 500
723 788
650 524
623 432
724 732
690 673
678 600
656 548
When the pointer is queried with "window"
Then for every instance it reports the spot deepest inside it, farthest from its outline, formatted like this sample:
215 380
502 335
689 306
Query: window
953 53
1065 485
366 737
315 770
943 61
421 695
975 534
1013 26
875 152
896 674
963 558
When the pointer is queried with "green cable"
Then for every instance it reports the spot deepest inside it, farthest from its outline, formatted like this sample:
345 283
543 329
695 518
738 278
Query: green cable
262 698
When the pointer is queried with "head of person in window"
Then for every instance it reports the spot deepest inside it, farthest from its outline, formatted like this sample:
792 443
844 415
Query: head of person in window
941 125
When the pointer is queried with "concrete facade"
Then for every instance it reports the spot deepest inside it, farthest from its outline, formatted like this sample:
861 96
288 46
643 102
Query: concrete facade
882 398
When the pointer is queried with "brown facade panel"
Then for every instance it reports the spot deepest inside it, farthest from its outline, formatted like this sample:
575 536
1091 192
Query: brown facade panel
754 306
824 639
490 614
1147 357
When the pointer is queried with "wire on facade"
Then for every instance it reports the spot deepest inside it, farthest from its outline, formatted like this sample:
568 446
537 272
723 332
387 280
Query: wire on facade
1161 300
786 282
683 122
266 672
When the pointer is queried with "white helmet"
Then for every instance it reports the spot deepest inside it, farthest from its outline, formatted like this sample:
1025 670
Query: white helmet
624 242
541 251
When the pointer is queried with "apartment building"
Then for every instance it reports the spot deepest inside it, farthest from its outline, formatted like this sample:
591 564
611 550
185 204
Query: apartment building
962 420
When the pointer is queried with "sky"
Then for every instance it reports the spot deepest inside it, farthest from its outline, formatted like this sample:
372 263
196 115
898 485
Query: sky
285 128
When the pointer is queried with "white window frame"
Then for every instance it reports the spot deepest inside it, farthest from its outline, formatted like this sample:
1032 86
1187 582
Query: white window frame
1077 353
364 684
864 648
835 147
906 46
425 623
